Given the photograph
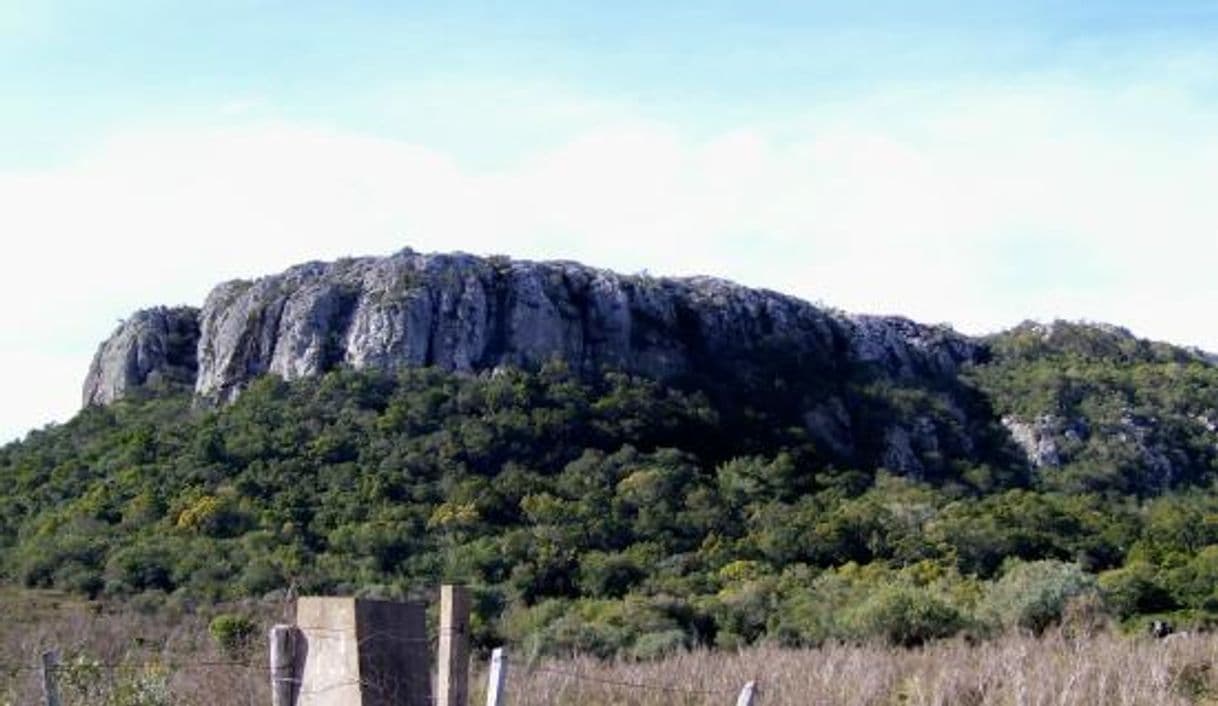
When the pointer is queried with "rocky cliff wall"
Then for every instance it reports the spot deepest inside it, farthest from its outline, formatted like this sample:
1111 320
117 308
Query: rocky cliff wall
465 313
152 346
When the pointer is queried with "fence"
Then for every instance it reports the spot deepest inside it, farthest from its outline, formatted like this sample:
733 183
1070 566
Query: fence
497 677
87 679
351 653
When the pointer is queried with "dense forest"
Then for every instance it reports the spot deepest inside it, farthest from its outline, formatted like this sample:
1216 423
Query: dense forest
614 515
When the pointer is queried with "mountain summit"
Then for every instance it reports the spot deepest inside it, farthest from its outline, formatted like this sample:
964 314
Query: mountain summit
465 313
869 391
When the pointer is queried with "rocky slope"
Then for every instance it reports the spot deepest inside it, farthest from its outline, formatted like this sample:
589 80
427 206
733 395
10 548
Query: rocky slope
153 346
466 313
874 391
1096 402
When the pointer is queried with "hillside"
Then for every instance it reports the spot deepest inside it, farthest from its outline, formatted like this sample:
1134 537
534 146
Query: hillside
466 314
717 466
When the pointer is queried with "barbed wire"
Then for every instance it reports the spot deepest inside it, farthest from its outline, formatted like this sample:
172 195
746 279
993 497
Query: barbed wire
528 673
628 684
376 685
121 666
347 633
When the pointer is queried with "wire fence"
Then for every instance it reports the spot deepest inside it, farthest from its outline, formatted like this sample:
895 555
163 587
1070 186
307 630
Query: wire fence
524 680
607 681
393 657
11 668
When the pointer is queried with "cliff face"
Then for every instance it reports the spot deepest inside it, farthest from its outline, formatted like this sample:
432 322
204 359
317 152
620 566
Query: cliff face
153 346
466 313
1078 401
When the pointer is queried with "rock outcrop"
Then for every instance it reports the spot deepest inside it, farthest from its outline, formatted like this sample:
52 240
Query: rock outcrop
869 391
153 346
1042 437
465 313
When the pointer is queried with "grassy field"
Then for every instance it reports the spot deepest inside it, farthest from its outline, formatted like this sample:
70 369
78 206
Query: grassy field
131 655
1024 671
156 656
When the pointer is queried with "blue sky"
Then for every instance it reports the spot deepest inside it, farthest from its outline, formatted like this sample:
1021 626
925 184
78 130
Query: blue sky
74 70
975 163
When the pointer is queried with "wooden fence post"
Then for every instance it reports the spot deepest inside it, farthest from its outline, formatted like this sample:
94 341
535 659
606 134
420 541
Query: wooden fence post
453 689
50 680
746 694
496 678
283 665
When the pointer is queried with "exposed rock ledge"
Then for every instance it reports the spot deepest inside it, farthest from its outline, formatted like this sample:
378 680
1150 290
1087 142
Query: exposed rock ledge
467 313
153 345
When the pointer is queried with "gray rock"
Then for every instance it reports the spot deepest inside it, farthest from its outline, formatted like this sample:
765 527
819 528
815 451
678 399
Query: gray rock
1037 438
153 346
470 314
906 348
830 425
465 313
1052 441
899 454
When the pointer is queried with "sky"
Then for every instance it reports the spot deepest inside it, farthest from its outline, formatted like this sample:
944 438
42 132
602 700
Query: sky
974 163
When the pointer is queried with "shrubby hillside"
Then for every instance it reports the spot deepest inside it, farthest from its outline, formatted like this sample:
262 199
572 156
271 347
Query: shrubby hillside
613 514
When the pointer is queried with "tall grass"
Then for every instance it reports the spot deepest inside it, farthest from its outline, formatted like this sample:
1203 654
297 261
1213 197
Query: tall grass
108 651
1010 671
112 648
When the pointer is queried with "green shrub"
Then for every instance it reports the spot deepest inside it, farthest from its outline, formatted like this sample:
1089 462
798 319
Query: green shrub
141 567
232 633
1032 595
654 645
633 627
905 616
1133 589
83 681
604 575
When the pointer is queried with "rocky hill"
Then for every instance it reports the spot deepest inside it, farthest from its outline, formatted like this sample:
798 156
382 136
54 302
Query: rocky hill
463 313
832 373
624 464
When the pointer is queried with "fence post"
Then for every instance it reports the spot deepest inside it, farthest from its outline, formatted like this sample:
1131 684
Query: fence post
50 682
746 694
496 678
283 665
453 676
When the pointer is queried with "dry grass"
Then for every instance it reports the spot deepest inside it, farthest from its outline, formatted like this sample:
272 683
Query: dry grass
1021 671
125 643
1013 671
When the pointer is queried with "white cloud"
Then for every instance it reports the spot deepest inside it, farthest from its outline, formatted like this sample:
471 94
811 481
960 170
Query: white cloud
968 205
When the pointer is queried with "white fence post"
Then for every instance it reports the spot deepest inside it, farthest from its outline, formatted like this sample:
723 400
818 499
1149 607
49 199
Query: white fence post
746 694
496 678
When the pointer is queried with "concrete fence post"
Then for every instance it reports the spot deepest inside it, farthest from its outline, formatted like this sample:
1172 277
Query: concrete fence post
453 672
496 679
361 652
